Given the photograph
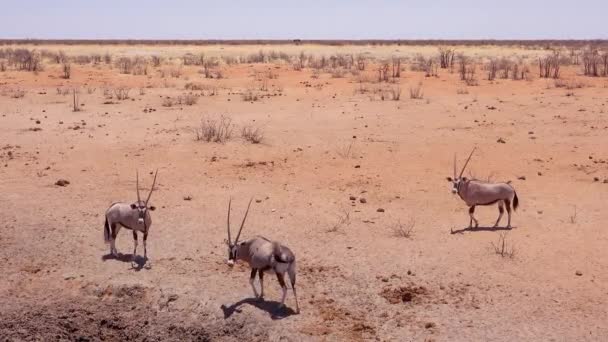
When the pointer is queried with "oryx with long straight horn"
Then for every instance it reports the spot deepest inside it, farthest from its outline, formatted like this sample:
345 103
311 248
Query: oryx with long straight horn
474 192
134 216
263 256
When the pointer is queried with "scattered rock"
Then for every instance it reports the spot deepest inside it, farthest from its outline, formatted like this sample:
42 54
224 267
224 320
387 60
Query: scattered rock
539 173
380 210
362 200
188 198
429 325
521 177
596 179
62 182
352 198
501 141
357 166
578 273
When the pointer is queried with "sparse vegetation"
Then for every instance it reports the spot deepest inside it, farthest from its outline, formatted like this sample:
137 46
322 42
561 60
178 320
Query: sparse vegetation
404 230
254 135
503 247
416 92
214 130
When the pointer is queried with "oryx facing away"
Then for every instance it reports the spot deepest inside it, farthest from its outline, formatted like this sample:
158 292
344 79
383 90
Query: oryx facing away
474 192
263 255
134 216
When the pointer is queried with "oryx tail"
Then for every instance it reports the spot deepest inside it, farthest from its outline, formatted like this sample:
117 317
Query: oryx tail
106 231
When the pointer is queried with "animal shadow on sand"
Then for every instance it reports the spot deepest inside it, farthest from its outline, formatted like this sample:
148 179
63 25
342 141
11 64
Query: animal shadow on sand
271 307
137 263
480 229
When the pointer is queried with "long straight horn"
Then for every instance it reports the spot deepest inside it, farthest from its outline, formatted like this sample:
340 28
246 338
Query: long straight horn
152 188
467 162
228 221
137 184
454 165
243 223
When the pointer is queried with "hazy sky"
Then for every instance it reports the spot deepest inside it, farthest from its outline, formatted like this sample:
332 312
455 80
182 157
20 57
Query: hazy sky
305 19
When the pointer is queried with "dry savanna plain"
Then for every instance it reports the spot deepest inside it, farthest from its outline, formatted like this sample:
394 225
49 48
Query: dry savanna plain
345 150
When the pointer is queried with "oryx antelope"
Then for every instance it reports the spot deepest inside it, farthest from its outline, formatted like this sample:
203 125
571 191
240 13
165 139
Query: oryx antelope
134 216
263 255
474 192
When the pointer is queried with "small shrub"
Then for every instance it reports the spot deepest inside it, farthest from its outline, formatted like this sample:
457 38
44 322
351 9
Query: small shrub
214 130
67 70
404 230
416 92
122 93
254 135
503 247
190 99
250 96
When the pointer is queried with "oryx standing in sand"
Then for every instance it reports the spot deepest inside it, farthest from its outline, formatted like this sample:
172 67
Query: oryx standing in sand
474 193
134 216
263 255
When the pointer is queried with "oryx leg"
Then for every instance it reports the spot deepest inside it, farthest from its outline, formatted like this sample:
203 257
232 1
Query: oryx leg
114 228
473 219
134 244
251 281
508 205
281 278
502 211
145 249
261 276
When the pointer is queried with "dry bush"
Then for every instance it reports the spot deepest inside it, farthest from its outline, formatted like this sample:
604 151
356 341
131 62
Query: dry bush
595 63
250 96
191 59
124 65
2 66
361 63
25 59
67 70
190 99
63 91
214 130
503 247
446 57
462 91
396 67
156 60
343 220
168 102
254 135
175 72
395 93
122 93
549 66
18 93
107 58
574 216
76 103
383 69
416 92
492 68
427 65
466 69
347 151
404 230
139 66
569 84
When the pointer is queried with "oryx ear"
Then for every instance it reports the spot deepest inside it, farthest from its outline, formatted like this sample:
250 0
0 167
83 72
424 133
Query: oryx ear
152 208
449 179
133 206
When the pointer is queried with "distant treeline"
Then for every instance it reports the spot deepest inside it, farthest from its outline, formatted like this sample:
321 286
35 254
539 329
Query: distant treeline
436 42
